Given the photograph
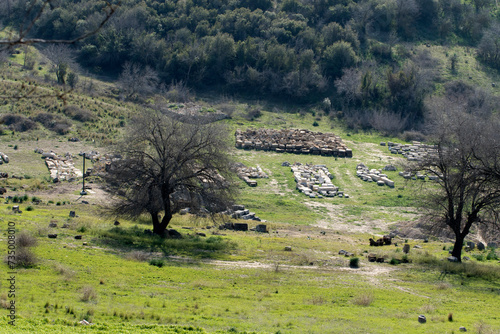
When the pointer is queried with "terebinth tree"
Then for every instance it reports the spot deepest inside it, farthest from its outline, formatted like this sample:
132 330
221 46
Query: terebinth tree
467 162
167 165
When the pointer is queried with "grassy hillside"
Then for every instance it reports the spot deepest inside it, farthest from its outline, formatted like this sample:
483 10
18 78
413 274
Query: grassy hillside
218 281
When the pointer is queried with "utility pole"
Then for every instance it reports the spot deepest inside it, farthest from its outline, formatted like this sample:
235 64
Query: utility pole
83 192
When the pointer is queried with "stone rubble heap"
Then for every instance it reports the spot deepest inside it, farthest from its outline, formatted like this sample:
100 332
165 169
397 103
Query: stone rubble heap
414 152
4 158
315 181
373 175
60 167
298 141
248 173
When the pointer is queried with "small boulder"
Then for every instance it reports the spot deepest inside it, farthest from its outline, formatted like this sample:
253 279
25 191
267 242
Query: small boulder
422 319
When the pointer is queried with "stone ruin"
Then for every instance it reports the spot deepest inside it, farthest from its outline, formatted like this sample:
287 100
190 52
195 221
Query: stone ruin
315 181
249 174
4 158
60 167
239 212
91 155
414 152
419 176
373 175
298 141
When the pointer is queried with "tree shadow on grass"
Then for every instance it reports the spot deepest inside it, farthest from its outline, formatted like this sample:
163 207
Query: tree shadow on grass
193 246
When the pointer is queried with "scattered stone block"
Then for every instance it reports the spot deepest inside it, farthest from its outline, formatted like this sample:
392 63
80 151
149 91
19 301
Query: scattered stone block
78 237
240 227
52 225
52 236
452 259
262 228
480 246
72 214
406 248
422 319
288 248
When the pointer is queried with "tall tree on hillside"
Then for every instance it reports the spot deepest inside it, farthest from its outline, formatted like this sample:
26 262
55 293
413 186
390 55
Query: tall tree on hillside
467 166
168 165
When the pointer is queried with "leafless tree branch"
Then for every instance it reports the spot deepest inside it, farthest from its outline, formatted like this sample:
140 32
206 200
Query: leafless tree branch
21 39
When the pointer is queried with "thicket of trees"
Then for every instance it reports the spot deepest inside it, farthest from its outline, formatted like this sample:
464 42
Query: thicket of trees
293 49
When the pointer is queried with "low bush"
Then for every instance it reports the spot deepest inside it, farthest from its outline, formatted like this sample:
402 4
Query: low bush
88 293
25 258
156 262
18 123
252 113
78 114
492 255
365 299
54 123
24 239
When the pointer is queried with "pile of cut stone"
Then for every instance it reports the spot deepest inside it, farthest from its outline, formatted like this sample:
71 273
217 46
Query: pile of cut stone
248 173
4 158
298 141
239 212
315 181
414 152
373 175
60 167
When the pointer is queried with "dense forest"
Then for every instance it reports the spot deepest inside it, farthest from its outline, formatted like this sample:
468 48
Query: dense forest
354 56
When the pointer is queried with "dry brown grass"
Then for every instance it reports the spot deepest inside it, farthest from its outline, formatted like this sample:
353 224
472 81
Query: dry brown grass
88 294
364 299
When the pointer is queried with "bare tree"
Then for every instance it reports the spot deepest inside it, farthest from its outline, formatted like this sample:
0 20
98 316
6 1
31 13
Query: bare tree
137 80
467 167
168 165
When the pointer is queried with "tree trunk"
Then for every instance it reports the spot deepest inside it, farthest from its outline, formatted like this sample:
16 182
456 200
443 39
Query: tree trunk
159 227
457 247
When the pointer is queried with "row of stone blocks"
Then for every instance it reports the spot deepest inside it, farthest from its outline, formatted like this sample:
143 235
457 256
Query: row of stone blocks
292 141
341 153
